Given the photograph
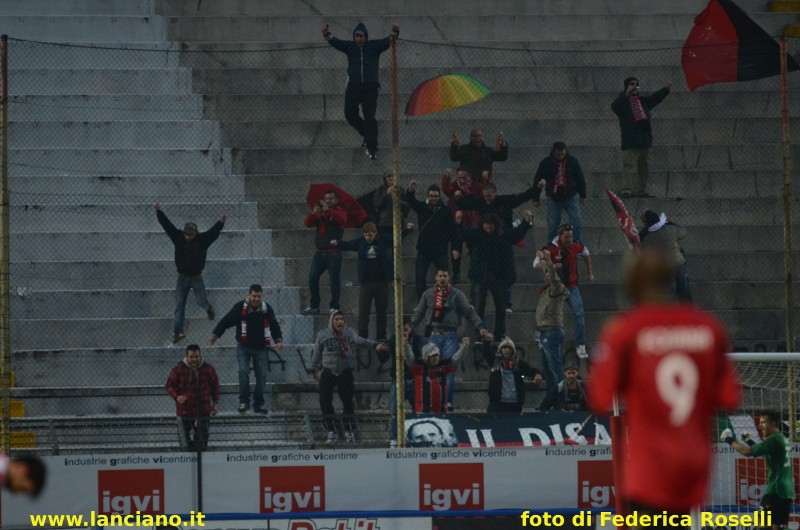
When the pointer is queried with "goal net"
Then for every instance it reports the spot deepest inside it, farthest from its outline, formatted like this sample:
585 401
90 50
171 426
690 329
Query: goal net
769 381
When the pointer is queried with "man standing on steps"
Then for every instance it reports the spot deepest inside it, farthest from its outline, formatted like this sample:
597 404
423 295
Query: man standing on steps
191 247
363 60
257 329
633 111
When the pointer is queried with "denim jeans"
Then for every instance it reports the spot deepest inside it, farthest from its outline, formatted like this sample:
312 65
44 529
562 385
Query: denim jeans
448 346
409 395
575 303
681 284
422 265
182 287
478 294
550 342
572 206
325 261
259 357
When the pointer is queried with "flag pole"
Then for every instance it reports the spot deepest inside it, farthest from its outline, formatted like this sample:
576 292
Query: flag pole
397 227
787 225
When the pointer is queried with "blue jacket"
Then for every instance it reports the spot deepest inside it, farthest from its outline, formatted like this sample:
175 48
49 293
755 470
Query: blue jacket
383 253
362 61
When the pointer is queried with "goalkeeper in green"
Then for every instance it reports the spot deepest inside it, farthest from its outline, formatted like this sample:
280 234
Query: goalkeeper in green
775 448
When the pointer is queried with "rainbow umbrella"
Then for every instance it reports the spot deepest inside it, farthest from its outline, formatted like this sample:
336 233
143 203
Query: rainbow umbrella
445 92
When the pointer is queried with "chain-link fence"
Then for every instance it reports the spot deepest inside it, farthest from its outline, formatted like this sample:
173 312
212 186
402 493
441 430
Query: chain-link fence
99 136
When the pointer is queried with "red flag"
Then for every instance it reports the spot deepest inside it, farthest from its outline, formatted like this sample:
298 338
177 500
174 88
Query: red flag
625 219
726 45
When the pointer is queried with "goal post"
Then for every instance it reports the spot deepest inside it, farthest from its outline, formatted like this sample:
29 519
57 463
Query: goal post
768 381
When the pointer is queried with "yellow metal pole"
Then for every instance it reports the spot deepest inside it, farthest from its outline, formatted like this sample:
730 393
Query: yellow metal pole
5 328
397 227
787 232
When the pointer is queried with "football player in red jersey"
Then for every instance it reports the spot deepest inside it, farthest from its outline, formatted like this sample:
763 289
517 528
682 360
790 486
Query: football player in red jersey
666 363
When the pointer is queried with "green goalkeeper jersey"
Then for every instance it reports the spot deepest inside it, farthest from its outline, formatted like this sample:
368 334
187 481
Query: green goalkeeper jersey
775 449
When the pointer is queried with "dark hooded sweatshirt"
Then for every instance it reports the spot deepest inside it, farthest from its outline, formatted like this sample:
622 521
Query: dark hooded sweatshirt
362 61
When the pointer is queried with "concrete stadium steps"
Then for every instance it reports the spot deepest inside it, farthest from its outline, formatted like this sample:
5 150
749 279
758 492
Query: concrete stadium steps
143 188
584 132
86 28
138 303
152 331
152 274
60 213
299 243
92 55
44 81
687 212
73 8
677 158
118 162
422 8
666 185
605 294
724 266
100 108
553 79
507 106
121 245
461 27
764 325
99 434
144 366
118 134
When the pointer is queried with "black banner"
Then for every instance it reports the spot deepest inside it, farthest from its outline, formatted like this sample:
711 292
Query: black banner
534 429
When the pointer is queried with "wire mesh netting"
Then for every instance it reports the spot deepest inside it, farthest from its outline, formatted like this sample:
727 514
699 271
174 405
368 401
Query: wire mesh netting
98 136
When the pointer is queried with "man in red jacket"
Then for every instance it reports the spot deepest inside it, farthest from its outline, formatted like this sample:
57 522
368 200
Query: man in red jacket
194 386
329 220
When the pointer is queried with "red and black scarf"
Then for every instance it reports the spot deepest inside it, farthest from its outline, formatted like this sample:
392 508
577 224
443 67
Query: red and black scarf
561 176
637 109
440 295
267 334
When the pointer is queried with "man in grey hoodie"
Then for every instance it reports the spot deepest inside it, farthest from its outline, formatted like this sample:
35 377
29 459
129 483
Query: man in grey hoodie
442 307
332 352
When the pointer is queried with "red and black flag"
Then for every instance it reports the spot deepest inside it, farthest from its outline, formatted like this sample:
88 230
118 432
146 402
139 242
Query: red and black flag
625 220
726 45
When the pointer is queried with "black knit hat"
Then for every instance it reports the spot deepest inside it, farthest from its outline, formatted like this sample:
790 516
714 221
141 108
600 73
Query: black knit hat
628 80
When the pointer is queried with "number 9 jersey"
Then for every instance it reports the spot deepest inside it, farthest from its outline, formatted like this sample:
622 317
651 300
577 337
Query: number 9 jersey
667 365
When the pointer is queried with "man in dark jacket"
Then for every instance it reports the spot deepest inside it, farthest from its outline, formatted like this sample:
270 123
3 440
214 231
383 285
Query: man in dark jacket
191 248
194 386
375 272
561 177
477 157
363 60
328 218
488 268
503 206
257 328
506 384
436 232
633 111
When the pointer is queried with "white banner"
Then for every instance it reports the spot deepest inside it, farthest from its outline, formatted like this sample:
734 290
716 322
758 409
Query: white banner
367 480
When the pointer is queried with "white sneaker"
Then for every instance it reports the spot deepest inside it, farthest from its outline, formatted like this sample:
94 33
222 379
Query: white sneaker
581 351
349 436
393 444
509 310
332 438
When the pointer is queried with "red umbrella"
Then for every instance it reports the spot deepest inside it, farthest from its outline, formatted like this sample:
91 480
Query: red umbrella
355 213
625 219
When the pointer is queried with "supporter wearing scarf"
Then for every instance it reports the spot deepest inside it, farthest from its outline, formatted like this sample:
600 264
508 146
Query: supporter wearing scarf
440 294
